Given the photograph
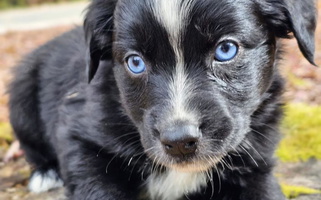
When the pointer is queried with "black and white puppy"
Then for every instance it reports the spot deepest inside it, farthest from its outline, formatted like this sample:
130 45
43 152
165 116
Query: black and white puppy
183 100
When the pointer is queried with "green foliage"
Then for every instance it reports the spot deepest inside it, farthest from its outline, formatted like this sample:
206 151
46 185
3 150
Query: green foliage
302 133
294 191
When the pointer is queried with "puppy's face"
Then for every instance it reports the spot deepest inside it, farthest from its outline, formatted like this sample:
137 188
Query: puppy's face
191 74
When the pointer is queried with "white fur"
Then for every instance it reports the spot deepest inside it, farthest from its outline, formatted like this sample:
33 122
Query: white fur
172 14
181 90
173 185
42 182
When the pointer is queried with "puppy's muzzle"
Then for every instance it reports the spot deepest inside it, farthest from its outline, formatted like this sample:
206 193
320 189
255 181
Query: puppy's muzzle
180 140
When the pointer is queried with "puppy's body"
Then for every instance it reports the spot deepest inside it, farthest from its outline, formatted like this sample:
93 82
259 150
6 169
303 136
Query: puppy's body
189 125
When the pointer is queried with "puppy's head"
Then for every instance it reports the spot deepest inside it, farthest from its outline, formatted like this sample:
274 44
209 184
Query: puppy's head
192 73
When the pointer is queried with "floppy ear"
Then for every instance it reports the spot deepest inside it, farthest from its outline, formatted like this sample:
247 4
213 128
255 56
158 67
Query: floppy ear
98 27
303 18
296 16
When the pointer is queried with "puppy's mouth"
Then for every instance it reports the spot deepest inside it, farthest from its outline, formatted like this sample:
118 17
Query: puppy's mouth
195 165
198 161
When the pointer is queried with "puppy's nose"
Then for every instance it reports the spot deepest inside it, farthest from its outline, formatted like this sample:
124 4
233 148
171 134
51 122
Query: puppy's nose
180 140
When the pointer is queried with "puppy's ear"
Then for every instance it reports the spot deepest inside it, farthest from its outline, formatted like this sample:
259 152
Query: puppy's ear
303 18
98 27
296 16
93 59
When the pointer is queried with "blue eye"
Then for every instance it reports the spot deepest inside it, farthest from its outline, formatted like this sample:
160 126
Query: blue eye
226 51
136 64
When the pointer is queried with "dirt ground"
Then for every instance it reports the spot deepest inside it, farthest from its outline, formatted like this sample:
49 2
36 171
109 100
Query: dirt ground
303 85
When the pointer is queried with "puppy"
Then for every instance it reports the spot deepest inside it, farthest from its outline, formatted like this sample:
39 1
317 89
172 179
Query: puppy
160 100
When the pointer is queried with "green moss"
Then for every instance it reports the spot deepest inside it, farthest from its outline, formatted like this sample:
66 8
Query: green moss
6 132
294 191
302 133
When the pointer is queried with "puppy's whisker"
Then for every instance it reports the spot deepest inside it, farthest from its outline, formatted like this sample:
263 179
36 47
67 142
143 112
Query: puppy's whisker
231 160
210 178
137 160
238 154
130 160
265 124
149 150
270 127
226 163
222 164
129 154
211 160
131 138
186 196
268 139
111 160
153 164
100 150
219 179
244 149
127 134
158 165
142 173
256 152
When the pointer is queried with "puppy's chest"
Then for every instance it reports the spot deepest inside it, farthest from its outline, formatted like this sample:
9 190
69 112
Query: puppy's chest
173 185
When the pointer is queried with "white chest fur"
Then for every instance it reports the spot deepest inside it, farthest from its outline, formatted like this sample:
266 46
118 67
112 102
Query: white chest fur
172 185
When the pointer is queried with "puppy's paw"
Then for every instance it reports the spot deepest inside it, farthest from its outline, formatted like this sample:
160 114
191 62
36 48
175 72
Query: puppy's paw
44 181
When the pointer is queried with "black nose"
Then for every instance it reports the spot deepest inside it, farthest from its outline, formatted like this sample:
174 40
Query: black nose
180 140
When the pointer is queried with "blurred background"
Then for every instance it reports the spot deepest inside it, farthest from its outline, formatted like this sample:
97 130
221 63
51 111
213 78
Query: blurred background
7 4
26 24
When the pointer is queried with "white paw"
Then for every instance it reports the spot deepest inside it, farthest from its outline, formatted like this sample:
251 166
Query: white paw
42 182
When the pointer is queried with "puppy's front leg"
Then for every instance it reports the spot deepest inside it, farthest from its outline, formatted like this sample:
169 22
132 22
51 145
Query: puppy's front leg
85 175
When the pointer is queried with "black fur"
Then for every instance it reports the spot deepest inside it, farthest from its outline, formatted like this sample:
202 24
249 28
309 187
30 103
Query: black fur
100 137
